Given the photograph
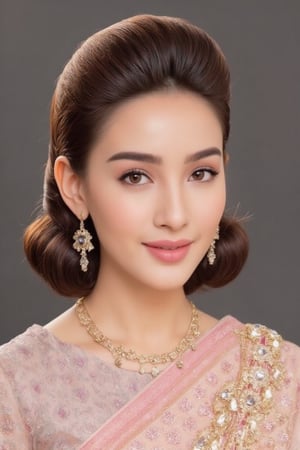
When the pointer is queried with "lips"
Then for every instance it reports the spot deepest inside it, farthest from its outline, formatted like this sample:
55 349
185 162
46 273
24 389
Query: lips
168 245
169 251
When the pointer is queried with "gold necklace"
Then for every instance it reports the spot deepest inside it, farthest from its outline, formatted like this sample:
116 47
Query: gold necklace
119 353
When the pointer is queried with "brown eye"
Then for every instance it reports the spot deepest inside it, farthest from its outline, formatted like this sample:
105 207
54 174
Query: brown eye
203 175
135 177
199 174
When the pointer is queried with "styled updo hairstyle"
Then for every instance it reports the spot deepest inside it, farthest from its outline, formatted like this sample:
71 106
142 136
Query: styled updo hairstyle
138 55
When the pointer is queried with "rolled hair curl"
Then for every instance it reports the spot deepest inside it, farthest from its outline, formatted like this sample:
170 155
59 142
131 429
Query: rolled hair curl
138 55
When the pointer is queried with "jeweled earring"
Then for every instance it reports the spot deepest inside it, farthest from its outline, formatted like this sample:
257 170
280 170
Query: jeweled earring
83 244
211 254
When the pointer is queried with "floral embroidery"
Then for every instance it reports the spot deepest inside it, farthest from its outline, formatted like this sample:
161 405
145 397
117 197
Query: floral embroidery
62 393
173 438
199 392
226 366
212 378
168 418
185 405
6 424
152 434
242 405
136 445
189 423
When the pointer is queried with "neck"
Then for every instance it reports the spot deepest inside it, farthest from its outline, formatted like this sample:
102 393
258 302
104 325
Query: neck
138 316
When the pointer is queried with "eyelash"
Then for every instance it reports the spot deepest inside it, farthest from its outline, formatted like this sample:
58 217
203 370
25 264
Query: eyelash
133 172
209 171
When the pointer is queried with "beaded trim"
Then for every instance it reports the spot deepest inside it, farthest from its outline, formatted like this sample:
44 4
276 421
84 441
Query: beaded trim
241 405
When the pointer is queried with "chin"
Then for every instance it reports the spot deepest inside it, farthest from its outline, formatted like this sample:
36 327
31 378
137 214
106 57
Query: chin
165 284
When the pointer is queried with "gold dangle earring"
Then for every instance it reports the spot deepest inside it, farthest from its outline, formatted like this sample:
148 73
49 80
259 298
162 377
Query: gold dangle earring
211 254
83 245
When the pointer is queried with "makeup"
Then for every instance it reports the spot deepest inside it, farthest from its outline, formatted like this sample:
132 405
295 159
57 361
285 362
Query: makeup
169 251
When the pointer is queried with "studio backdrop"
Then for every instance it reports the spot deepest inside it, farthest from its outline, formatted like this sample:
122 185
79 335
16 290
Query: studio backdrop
261 41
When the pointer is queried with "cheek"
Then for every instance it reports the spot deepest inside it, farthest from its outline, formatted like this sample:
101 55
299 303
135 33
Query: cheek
220 202
211 204
117 213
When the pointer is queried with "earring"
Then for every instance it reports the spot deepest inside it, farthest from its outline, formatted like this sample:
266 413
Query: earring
83 244
211 254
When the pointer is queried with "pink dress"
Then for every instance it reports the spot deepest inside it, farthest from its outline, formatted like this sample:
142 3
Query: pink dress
55 395
238 390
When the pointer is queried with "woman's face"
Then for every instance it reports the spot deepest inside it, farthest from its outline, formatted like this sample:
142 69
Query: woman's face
155 187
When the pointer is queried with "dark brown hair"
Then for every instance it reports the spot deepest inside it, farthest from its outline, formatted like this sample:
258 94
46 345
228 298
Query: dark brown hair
137 55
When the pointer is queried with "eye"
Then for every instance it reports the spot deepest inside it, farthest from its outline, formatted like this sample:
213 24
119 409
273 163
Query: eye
203 175
135 177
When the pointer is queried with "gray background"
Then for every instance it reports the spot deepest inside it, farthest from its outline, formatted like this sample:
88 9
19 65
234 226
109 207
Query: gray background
261 40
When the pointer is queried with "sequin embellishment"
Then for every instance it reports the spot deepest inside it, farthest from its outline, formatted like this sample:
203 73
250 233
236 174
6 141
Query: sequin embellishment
242 405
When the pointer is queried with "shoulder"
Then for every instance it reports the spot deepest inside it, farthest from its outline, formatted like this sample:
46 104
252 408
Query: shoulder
272 362
30 357
21 369
25 348
268 341
263 346
268 381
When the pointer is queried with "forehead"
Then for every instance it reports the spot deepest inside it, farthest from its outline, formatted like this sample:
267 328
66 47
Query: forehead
161 120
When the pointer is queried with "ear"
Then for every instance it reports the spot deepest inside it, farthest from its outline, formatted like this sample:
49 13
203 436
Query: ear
226 158
70 187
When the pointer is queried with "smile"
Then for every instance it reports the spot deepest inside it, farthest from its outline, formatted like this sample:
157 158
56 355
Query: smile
169 251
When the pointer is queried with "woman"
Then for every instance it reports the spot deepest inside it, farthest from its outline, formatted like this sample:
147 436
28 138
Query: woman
132 222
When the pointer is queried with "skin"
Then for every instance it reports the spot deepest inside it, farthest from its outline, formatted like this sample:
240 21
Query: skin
139 300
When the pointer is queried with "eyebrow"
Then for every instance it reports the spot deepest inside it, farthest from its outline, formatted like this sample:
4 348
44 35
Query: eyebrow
153 159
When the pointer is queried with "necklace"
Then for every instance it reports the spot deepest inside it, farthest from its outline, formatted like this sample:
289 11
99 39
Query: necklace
146 363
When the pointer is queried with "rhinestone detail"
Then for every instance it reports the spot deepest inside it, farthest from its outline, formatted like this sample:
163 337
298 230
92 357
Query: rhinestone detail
240 406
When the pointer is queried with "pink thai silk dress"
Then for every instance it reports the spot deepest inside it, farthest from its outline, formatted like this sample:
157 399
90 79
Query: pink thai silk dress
238 390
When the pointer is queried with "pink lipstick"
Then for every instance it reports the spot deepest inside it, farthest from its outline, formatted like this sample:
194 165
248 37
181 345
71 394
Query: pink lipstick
168 251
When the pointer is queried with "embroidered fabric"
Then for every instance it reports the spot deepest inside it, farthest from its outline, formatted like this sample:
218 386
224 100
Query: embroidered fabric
55 396
173 410
242 405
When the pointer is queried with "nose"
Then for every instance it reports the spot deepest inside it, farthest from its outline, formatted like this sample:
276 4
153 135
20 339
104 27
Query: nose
171 208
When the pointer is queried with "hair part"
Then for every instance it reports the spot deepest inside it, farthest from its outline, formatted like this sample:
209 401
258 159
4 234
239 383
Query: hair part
138 55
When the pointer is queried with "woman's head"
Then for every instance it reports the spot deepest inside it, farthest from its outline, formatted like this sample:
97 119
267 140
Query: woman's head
135 57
